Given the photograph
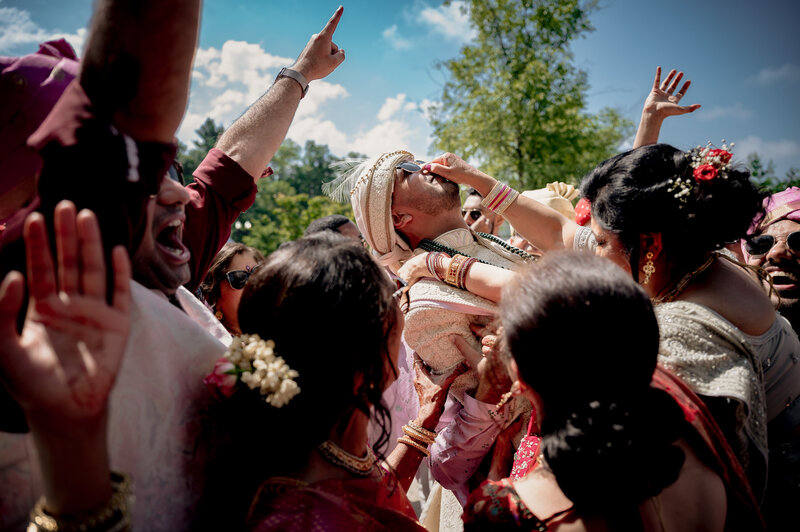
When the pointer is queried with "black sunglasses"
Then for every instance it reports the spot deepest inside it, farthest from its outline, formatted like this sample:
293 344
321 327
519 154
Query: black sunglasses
408 166
474 214
175 172
758 246
237 278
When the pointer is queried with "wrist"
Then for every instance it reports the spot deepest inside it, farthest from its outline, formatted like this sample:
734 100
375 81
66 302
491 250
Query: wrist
428 418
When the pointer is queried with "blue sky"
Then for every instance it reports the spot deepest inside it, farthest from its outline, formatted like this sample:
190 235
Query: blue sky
743 58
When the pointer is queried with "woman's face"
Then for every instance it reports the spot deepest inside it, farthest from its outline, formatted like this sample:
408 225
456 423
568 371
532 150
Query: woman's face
609 246
229 297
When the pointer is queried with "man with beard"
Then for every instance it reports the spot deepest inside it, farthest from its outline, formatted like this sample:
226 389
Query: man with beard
402 211
114 158
773 243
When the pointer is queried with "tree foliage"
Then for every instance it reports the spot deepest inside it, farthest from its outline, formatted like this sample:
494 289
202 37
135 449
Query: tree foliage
516 103
765 177
290 199
207 135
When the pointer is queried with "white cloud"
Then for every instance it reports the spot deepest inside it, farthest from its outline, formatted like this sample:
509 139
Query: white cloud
770 75
451 21
783 152
18 29
392 105
397 42
737 111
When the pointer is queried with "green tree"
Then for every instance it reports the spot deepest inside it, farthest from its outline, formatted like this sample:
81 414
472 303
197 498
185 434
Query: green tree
280 213
515 101
207 135
766 178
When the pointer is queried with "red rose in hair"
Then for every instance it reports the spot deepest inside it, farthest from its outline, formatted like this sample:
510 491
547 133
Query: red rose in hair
705 172
724 156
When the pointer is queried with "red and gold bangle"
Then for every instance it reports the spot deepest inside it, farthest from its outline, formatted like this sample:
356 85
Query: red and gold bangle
499 198
452 271
463 270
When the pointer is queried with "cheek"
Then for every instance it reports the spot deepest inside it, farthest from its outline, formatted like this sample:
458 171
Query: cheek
615 255
229 298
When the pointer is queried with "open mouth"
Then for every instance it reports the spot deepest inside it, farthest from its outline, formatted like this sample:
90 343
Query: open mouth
170 244
783 280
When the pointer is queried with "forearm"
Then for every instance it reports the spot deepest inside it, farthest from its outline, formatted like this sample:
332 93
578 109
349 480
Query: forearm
254 138
142 84
74 464
405 460
649 130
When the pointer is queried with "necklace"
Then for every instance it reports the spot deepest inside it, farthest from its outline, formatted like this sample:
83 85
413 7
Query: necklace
430 245
359 466
508 247
675 292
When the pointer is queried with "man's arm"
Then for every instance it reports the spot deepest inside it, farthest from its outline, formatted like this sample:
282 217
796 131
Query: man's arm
255 137
141 84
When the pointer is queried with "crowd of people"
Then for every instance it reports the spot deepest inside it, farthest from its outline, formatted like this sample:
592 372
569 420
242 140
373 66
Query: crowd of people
629 362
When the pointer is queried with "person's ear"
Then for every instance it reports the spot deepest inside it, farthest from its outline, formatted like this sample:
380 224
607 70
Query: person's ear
401 220
651 242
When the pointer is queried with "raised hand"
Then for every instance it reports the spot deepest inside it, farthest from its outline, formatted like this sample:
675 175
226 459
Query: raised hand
321 56
662 102
63 365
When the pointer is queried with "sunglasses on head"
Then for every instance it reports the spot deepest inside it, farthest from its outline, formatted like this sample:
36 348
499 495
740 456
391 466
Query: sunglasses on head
474 214
237 278
758 246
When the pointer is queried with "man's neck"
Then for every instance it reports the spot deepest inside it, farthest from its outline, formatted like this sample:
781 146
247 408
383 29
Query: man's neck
436 228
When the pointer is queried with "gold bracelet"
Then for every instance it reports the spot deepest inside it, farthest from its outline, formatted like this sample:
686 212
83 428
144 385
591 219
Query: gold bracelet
114 515
417 436
411 443
451 277
429 433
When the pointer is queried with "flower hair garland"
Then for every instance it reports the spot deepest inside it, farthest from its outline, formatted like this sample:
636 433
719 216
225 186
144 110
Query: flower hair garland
708 162
253 361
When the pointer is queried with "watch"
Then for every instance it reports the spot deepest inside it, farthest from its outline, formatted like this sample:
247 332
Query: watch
295 75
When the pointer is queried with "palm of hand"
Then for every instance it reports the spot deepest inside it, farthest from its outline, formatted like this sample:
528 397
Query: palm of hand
66 362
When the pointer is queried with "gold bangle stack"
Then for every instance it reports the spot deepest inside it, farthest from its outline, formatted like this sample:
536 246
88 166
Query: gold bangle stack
114 516
456 274
417 437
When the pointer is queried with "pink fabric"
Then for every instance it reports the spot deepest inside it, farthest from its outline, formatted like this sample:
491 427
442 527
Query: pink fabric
29 88
784 205
527 453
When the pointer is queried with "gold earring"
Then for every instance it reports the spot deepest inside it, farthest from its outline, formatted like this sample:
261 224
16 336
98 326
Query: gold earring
649 268
218 315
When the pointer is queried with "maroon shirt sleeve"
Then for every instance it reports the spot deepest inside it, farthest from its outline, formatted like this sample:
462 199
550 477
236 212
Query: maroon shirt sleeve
221 191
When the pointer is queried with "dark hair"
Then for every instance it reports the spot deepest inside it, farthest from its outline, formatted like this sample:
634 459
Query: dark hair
328 307
633 193
209 288
326 223
606 434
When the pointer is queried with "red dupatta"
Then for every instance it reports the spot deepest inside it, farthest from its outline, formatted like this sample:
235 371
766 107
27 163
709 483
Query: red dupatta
743 510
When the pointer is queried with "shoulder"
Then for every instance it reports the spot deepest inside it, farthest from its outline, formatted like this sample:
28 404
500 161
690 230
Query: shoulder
496 502
731 292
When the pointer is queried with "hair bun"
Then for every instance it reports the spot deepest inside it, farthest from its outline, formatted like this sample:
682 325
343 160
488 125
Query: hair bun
615 451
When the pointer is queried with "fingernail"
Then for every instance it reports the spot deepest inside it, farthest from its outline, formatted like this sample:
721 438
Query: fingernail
427 167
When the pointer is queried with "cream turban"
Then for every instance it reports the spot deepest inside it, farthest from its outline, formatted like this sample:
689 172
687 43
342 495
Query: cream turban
557 196
370 185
